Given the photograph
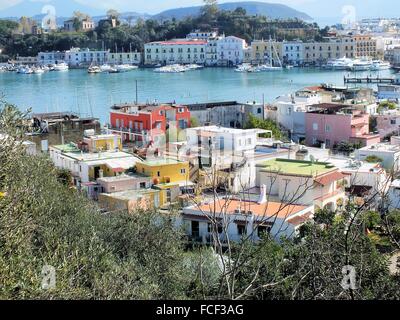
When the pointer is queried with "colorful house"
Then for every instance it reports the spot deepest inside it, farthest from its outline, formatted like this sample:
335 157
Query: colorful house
332 123
147 123
302 182
169 176
165 170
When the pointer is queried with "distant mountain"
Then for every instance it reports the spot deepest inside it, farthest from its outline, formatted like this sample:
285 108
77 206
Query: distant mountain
271 10
65 9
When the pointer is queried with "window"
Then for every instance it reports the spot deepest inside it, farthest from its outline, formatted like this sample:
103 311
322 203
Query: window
262 230
183 171
195 229
158 174
327 143
315 126
142 185
241 229
327 128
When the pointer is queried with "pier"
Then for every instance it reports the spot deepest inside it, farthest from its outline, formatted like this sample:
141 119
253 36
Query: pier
369 80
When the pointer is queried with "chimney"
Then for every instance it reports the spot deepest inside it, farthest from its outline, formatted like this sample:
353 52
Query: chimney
263 194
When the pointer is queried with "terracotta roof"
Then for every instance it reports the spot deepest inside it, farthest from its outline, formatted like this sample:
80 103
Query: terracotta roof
267 210
329 178
298 220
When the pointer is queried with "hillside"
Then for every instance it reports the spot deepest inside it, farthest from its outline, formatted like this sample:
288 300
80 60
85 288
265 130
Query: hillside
272 10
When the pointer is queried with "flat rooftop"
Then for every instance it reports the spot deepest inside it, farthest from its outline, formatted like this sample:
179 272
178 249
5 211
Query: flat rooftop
382 147
130 194
218 129
296 167
264 210
161 162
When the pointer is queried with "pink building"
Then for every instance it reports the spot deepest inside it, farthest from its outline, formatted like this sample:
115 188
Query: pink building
388 124
333 123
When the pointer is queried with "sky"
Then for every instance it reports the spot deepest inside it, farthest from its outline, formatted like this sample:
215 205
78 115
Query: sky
318 9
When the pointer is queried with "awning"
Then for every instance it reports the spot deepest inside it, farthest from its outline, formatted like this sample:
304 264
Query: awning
329 178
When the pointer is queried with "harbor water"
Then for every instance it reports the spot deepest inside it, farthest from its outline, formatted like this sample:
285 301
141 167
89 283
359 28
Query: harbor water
93 94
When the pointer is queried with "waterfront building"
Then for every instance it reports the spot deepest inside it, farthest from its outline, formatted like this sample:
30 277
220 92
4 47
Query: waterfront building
292 52
330 123
180 51
26 60
366 46
388 154
302 182
230 51
124 58
239 219
52 57
76 57
147 123
263 50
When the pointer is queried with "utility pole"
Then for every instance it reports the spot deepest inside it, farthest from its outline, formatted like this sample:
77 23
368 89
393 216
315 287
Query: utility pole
136 82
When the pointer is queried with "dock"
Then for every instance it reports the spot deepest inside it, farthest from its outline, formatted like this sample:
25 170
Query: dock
369 80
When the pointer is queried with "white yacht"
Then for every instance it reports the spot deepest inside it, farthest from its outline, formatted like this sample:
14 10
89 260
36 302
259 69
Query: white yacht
378 65
38 70
340 64
267 67
94 69
61 67
173 68
245 67
362 65
24 70
105 68
125 67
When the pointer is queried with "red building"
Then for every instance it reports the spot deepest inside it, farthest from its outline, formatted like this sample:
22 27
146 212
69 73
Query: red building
145 123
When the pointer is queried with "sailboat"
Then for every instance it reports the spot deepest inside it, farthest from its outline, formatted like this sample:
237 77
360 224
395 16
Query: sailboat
270 66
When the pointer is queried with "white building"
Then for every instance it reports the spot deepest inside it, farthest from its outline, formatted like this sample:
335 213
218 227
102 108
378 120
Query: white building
184 51
394 195
230 151
389 154
291 110
231 114
53 57
124 58
77 57
302 182
361 174
203 35
86 166
243 219
293 52
230 51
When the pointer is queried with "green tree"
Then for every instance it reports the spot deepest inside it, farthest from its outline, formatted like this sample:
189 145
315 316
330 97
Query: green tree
266 124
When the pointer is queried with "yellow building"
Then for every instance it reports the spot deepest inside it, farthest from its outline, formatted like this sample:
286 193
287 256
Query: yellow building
261 50
165 171
103 142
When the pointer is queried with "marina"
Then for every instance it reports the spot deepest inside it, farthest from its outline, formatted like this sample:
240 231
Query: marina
91 96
